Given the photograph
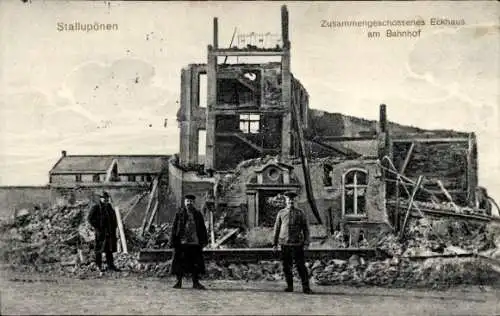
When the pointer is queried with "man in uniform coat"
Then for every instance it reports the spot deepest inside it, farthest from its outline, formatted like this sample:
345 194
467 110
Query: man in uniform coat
189 237
102 218
291 232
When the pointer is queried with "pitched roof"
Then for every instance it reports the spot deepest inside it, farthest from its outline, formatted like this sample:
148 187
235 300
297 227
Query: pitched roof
101 163
141 164
77 163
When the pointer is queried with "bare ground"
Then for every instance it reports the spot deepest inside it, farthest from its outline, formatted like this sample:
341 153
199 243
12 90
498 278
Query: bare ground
39 294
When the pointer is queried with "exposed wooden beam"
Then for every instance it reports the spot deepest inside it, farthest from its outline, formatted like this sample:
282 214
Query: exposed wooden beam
239 52
152 197
254 110
242 137
407 159
472 179
344 138
152 216
431 140
226 237
448 195
410 204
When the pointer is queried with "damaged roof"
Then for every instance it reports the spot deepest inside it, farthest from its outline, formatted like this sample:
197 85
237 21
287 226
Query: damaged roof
316 149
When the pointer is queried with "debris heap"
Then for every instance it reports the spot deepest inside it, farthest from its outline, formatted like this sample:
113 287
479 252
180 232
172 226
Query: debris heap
58 240
44 236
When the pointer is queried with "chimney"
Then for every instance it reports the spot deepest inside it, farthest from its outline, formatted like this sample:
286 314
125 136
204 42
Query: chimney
63 153
216 33
284 26
383 118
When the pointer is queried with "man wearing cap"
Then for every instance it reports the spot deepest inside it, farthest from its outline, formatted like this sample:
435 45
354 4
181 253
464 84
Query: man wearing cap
189 237
102 218
291 232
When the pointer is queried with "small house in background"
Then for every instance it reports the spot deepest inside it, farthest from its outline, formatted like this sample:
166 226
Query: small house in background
93 170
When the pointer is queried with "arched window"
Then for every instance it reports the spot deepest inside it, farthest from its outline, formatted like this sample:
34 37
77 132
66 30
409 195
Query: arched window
354 184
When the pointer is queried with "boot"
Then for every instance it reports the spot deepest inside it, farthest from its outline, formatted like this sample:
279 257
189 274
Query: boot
196 283
98 262
110 262
178 284
289 284
306 289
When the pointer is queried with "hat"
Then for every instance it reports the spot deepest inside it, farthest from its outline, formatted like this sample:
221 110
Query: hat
290 194
190 197
104 194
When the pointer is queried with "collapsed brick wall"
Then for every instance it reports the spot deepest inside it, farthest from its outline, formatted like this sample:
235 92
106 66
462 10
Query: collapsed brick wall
436 161
323 123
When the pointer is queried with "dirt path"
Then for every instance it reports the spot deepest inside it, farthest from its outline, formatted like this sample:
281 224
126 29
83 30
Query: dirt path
23 294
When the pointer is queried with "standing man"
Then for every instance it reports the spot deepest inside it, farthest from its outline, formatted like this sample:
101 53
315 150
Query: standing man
102 218
189 237
291 232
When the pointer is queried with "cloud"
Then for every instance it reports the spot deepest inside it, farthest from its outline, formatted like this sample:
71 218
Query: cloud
113 91
463 62
24 112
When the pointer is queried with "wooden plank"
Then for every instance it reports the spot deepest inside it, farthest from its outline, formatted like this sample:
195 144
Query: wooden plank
150 202
393 170
152 216
230 44
415 189
396 219
212 230
121 230
237 52
431 140
344 138
407 159
448 196
442 213
452 255
234 111
226 237
472 178
303 158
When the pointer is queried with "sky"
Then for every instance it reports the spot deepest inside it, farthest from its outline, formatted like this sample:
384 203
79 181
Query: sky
111 91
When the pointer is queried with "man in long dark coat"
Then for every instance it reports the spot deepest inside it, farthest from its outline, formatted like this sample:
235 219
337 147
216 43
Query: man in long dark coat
189 237
102 218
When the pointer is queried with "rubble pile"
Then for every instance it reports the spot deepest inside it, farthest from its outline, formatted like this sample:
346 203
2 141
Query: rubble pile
44 236
395 272
60 240
432 273
57 240
445 236
336 240
157 237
